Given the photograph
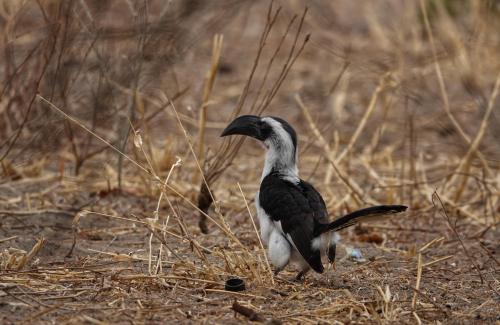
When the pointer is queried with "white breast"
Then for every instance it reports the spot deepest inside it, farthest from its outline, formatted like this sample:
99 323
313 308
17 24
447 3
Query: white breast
265 222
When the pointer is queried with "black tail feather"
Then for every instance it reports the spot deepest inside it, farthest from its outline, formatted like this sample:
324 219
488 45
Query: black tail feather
358 216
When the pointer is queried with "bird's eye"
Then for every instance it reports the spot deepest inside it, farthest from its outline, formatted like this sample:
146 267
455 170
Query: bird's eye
265 129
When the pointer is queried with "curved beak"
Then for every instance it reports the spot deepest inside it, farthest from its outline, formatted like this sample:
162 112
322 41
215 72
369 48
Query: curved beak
244 125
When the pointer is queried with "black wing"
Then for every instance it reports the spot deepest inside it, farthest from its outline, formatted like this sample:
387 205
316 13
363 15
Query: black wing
316 202
299 208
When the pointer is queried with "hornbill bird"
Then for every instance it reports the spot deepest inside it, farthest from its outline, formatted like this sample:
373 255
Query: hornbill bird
292 214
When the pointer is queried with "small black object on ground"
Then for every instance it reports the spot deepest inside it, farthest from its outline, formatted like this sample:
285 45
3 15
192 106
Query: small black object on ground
235 284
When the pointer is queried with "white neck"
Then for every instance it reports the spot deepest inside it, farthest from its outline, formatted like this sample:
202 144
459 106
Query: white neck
281 155
284 163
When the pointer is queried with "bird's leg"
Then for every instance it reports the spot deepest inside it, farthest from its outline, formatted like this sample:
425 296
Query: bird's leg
331 252
278 270
301 274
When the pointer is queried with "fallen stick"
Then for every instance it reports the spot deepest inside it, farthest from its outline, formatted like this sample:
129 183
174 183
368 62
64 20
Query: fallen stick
252 315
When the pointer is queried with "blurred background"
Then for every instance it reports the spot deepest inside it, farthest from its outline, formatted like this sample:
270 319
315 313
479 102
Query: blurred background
392 100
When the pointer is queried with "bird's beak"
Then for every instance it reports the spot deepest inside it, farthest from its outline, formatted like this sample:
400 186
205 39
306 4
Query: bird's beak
244 125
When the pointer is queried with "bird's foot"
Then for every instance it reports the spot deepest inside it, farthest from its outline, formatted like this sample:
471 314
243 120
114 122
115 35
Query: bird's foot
300 276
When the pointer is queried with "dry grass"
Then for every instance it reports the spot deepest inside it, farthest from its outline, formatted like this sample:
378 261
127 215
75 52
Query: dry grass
109 121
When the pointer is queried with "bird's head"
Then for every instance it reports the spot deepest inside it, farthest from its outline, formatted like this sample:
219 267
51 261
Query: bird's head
274 132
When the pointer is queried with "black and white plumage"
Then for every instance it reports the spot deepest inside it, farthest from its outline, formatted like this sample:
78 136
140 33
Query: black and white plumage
293 216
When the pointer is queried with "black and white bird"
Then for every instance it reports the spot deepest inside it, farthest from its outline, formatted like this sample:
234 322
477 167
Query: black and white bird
293 217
